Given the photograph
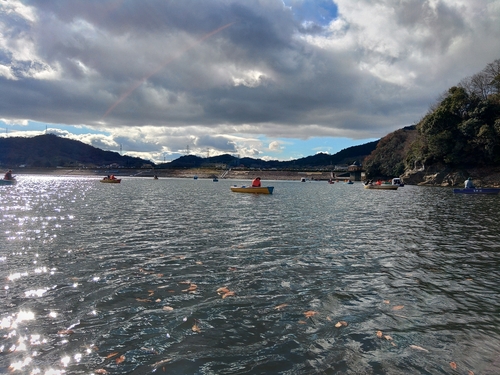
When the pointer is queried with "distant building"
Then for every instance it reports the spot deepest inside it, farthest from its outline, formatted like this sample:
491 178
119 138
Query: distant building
356 166
341 167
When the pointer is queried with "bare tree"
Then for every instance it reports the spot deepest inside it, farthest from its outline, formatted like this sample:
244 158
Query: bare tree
484 83
492 71
467 85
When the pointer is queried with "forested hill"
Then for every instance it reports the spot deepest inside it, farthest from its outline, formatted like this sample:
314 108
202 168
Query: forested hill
460 132
49 150
320 160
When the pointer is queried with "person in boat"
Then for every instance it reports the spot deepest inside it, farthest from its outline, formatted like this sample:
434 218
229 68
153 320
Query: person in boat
469 184
379 182
8 175
256 182
112 177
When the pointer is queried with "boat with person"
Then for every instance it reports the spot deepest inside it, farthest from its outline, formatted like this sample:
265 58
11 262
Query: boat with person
253 190
111 180
491 191
8 178
380 185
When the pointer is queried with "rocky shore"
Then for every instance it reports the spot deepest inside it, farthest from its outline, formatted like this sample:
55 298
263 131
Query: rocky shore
440 175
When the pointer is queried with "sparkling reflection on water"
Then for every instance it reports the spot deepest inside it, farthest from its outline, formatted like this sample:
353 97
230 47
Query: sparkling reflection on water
318 278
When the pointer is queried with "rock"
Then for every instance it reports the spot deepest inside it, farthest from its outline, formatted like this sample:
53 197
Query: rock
441 175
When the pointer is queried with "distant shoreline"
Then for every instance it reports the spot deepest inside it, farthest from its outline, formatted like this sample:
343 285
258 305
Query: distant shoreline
201 173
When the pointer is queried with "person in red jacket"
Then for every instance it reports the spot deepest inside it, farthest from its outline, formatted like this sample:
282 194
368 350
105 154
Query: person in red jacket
256 182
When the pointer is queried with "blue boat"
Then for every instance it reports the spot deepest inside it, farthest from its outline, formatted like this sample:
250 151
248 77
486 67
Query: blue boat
12 181
477 191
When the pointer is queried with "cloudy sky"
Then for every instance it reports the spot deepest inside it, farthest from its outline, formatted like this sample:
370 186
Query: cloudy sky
271 79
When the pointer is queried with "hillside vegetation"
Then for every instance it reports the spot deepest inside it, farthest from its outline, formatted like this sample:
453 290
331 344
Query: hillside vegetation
50 151
318 161
460 132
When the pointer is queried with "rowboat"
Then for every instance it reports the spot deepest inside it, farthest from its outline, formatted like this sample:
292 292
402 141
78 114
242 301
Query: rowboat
253 190
111 181
382 187
493 191
8 182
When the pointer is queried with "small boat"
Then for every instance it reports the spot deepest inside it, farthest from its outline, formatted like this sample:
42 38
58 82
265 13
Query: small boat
111 180
398 182
492 191
381 187
8 182
195 177
349 182
215 179
302 179
253 190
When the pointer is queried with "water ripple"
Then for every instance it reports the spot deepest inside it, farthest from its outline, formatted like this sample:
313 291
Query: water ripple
126 278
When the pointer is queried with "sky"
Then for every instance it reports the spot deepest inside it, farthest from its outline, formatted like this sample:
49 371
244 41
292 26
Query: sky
268 79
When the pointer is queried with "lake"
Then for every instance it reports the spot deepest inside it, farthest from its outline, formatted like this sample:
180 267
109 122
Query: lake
183 276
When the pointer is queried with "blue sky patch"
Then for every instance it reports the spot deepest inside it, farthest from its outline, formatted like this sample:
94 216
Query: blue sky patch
321 12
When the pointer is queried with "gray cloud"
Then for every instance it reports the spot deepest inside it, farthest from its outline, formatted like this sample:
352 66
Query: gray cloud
201 72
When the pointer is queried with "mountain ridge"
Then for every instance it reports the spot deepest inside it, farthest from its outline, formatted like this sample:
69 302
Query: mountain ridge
50 151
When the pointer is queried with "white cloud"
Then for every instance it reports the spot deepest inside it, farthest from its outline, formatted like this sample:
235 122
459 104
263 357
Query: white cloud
275 146
5 71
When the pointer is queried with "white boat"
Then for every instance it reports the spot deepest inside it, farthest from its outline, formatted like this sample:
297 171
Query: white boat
383 186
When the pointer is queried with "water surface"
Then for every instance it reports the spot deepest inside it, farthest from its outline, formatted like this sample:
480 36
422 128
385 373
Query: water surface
183 276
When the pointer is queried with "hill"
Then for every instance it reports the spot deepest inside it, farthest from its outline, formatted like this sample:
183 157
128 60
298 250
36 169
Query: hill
458 137
318 161
49 150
